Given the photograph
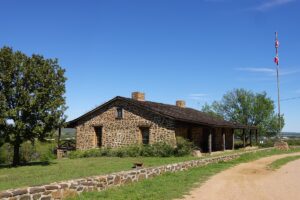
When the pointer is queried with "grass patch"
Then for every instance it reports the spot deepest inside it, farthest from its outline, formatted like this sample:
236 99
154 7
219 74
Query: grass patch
37 173
282 161
170 186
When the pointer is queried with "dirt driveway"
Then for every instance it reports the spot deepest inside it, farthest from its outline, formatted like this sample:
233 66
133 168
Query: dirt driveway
252 181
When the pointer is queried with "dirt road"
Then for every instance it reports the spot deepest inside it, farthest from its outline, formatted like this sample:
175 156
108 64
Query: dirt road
252 181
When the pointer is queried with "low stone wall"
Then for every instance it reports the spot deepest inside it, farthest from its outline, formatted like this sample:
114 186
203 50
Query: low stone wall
64 189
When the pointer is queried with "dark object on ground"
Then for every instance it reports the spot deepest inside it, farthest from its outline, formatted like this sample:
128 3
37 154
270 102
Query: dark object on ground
137 165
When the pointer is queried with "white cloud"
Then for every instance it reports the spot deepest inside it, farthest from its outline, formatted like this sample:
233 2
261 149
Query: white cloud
260 69
268 71
198 96
268 4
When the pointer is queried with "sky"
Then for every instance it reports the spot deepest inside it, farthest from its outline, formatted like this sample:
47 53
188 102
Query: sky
195 50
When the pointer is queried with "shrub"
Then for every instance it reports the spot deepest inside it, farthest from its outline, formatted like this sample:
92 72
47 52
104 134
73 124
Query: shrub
27 151
105 151
184 147
39 151
6 151
293 142
160 149
76 154
134 150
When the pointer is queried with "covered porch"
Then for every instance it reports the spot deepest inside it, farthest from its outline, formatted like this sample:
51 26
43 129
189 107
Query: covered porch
214 138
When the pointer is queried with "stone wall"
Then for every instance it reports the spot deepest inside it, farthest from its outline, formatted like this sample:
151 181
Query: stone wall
121 132
69 188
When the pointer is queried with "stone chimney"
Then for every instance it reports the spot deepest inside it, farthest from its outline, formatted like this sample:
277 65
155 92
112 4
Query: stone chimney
180 103
139 96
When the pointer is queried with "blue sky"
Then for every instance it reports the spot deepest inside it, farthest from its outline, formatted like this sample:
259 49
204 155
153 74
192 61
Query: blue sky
191 50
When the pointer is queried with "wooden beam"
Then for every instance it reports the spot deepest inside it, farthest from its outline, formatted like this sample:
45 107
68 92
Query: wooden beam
210 141
59 136
224 139
256 137
244 138
250 134
232 139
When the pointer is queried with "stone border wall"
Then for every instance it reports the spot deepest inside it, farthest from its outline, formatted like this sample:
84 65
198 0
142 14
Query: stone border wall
63 189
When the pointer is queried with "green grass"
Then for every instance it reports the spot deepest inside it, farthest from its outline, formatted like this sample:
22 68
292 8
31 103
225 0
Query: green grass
280 162
65 169
58 170
170 186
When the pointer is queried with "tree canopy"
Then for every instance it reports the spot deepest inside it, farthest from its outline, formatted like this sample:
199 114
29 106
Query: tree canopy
32 101
248 108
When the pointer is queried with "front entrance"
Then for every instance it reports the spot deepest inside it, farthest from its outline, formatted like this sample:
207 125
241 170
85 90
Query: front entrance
99 134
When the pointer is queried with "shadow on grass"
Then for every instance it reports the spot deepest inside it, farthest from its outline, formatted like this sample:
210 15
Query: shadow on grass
37 163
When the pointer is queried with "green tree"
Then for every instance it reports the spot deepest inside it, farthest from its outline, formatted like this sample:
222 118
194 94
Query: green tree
32 101
248 108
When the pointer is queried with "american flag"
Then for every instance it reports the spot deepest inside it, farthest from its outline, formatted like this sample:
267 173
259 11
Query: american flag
276 59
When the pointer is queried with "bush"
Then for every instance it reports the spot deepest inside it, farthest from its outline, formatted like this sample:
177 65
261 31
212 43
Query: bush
160 149
184 147
293 142
27 152
76 154
40 151
6 154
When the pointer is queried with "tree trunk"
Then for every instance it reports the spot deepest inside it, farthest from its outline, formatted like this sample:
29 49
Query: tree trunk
16 158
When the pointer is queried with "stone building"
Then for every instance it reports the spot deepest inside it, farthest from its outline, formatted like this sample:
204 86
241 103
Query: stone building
126 121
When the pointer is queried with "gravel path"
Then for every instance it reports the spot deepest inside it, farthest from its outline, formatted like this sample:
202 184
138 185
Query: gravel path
252 181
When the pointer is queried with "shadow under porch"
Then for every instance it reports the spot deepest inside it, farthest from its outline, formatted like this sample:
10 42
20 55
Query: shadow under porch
206 138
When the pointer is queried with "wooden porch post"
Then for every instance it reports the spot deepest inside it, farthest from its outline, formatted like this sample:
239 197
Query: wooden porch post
232 139
58 138
224 140
210 141
250 134
244 138
256 136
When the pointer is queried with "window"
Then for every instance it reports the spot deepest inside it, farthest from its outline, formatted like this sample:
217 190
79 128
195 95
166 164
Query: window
145 134
119 114
98 131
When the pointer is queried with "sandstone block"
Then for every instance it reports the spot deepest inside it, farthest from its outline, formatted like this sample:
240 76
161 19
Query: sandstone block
19 192
5 195
35 190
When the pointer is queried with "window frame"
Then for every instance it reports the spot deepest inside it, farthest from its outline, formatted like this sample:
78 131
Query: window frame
142 129
120 113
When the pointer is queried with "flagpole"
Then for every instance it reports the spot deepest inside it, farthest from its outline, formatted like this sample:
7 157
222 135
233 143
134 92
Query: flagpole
278 88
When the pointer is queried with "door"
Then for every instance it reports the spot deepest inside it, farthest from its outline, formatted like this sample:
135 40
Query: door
98 131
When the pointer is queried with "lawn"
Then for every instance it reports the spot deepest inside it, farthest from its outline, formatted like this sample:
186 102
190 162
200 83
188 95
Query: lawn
280 162
170 186
65 169
58 170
